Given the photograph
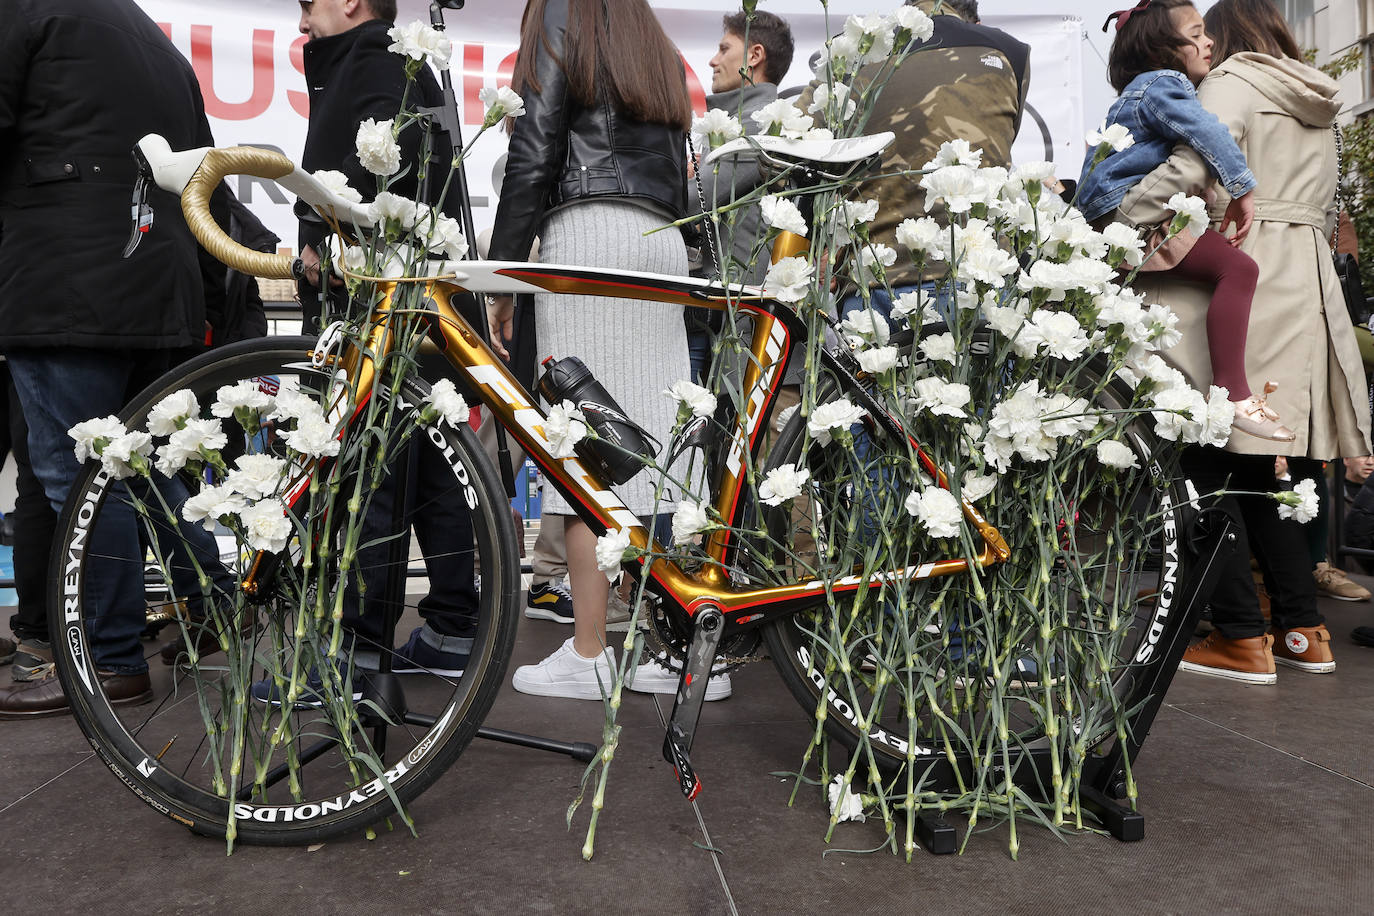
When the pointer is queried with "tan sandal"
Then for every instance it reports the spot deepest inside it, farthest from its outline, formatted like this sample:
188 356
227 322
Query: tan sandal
1255 417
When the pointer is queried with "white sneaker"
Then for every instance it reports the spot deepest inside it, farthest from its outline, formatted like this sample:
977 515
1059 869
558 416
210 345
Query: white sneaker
653 677
565 673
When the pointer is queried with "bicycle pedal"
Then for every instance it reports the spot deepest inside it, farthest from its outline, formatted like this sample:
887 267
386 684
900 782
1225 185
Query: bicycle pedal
675 752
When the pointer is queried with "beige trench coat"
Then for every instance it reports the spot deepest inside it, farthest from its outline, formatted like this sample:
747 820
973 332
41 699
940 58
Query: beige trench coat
1280 112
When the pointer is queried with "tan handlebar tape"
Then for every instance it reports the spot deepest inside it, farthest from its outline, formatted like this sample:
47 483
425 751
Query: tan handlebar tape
195 205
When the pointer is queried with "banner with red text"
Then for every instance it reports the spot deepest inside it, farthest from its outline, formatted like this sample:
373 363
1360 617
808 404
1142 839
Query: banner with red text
247 55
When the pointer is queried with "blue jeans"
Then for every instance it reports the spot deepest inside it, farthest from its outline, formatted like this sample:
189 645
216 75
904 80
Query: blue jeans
60 387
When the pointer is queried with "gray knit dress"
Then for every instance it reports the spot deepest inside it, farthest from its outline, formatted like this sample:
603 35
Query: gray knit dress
635 349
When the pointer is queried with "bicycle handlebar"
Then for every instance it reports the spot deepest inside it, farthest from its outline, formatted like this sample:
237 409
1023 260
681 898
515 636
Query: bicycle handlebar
194 174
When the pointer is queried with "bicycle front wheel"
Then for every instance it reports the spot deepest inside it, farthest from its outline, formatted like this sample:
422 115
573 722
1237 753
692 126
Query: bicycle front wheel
269 765
926 703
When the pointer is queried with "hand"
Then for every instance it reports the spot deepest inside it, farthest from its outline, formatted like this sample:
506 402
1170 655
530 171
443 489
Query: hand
1241 211
501 323
311 260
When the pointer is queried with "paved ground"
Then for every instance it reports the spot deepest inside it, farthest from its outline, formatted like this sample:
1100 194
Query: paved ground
1257 800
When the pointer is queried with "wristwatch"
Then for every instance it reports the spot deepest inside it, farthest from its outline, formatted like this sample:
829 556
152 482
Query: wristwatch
298 269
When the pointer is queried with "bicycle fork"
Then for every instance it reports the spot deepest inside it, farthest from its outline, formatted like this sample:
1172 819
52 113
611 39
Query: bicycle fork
691 692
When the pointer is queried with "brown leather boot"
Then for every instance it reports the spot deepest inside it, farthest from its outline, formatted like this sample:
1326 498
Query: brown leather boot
1305 648
1248 660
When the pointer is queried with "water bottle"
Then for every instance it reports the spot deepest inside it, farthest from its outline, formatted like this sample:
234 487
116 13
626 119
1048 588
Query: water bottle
621 447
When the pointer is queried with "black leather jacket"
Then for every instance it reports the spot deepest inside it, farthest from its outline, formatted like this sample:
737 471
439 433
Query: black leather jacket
561 151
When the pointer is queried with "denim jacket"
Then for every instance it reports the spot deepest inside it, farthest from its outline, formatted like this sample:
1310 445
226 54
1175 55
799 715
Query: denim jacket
1160 109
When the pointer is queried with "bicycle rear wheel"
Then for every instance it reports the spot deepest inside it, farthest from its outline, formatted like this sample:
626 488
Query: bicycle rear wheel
1104 587
179 753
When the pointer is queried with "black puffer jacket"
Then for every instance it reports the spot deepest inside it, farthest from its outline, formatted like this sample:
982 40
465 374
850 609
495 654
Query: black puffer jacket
80 83
561 151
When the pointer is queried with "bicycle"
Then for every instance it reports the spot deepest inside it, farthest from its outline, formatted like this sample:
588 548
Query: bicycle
745 589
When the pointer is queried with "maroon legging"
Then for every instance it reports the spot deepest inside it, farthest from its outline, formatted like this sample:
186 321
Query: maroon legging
1232 274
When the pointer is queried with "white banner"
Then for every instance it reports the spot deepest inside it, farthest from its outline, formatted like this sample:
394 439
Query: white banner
247 55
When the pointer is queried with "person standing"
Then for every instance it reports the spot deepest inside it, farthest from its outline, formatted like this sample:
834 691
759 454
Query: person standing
351 77
596 164
1280 112
969 82
752 58
82 327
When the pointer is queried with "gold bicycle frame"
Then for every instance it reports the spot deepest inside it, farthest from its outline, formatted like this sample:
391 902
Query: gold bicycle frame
515 410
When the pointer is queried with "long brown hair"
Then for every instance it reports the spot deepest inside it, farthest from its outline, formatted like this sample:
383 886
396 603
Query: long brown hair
613 45
1249 25
1148 41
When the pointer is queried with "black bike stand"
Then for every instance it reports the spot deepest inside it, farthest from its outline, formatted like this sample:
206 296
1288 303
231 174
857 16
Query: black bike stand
1209 537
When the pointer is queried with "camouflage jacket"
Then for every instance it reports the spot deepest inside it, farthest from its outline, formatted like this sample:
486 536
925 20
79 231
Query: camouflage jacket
968 81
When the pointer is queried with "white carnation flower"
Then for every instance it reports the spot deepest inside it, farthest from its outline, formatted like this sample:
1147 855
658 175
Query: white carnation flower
244 395
873 36
610 551
915 21
1033 172
924 235
783 483
1114 135
692 397
945 399
940 347
313 437
91 435
789 279
1128 240
781 118
717 127
956 152
564 428
394 208
844 804
501 103
117 458
1163 325
1192 212
377 148
864 327
976 486
840 414
878 360
265 525
447 237
444 397
833 100
212 504
420 41
1115 454
958 187
1058 334
256 476
336 183
169 413
937 510
782 214
689 520
1301 503
291 404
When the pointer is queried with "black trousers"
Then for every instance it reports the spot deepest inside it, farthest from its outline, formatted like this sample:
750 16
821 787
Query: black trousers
436 510
34 525
1279 545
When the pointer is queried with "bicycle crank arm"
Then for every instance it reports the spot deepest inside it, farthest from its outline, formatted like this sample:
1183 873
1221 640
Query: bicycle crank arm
691 693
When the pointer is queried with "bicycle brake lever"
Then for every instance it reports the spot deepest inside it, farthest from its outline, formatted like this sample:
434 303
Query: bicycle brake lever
141 212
